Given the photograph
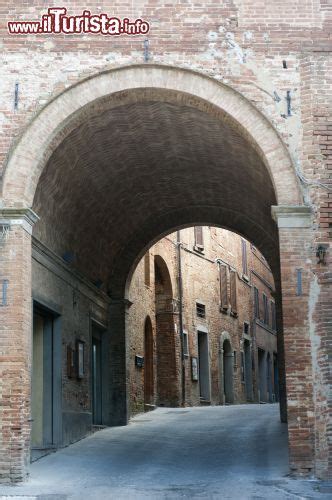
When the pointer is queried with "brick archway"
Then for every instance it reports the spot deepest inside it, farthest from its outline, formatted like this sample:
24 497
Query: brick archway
197 100
226 368
166 339
63 113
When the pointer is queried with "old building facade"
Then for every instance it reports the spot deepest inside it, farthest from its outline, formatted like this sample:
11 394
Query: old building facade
228 354
219 115
201 330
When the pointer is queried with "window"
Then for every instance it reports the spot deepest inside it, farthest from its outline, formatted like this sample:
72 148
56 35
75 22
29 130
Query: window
244 257
265 309
147 269
199 242
200 310
185 344
233 293
223 287
273 316
256 302
246 328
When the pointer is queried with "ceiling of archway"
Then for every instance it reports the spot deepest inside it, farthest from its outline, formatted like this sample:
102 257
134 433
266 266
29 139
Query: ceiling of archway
131 173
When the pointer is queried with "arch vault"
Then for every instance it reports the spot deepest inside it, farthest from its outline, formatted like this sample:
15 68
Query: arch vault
114 163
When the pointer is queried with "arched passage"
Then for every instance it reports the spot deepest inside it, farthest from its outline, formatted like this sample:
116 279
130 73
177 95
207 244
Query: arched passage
121 159
167 341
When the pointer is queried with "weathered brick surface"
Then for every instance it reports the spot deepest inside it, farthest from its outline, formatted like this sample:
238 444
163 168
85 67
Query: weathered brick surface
15 363
232 150
201 283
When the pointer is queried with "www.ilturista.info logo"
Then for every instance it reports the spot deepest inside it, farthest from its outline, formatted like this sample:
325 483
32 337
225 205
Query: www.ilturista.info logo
56 21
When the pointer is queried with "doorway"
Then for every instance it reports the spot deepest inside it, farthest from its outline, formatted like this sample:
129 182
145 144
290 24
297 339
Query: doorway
97 375
148 363
167 346
203 365
45 383
275 378
248 372
228 369
269 378
262 375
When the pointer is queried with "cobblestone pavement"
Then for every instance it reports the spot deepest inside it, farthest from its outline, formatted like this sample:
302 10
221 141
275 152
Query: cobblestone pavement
233 452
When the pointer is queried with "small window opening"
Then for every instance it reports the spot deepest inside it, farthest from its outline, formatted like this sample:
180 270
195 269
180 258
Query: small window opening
200 310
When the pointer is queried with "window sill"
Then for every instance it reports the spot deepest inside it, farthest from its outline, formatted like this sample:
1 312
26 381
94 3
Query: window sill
265 326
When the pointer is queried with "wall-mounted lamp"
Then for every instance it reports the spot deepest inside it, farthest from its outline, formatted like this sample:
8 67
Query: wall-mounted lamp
321 254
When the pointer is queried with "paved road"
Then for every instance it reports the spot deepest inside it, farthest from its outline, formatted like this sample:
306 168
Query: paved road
234 452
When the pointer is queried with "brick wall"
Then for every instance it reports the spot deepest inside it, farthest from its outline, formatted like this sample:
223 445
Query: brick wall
201 283
262 50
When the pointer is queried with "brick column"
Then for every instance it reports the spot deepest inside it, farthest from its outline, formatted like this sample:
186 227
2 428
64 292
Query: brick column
15 342
119 374
296 254
281 359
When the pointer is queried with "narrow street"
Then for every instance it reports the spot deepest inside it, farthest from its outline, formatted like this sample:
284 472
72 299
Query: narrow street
232 452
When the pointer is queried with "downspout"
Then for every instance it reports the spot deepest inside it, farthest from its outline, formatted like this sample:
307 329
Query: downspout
180 290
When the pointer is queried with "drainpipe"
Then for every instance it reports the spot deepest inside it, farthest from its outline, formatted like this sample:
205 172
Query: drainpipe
183 378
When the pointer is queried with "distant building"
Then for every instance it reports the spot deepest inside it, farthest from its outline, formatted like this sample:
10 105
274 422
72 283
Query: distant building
217 289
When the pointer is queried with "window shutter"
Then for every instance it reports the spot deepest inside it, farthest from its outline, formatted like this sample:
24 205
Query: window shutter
256 300
223 287
273 315
147 269
266 309
244 257
199 237
233 294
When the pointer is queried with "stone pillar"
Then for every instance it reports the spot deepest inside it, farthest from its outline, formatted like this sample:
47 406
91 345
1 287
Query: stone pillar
119 374
15 342
296 254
